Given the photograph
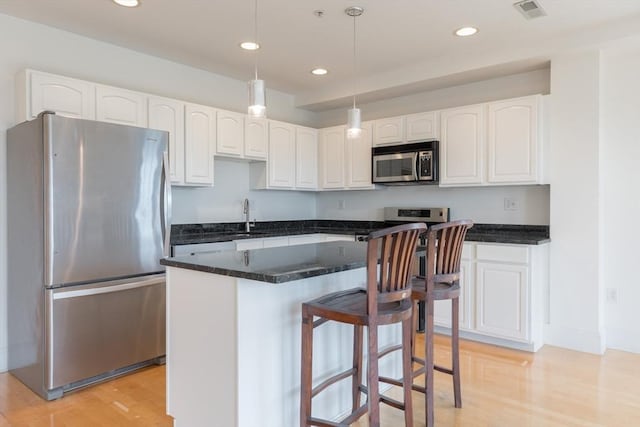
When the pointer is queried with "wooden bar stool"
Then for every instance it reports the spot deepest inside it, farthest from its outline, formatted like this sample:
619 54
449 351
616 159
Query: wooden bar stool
386 300
441 282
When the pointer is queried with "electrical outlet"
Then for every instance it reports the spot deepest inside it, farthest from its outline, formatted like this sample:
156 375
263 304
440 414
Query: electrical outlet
511 204
341 204
612 295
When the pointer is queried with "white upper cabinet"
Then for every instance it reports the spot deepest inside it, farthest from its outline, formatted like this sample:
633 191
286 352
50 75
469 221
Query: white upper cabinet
358 159
512 141
121 106
389 130
168 115
332 156
282 155
200 144
422 126
256 138
306 158
409 128
37 92
462 145
496 143
230 139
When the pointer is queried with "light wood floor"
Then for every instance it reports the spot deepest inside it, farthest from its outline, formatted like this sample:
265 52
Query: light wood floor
500 387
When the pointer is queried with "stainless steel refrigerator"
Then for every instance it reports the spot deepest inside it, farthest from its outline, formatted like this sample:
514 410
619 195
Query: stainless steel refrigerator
88 208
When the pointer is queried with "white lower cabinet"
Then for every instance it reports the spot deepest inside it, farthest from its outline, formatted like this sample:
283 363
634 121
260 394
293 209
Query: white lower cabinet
502 295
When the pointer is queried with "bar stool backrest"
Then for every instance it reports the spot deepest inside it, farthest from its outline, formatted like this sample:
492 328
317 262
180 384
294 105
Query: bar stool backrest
444 251
392 250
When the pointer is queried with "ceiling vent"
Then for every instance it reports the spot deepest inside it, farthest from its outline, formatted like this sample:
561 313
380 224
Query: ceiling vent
530 9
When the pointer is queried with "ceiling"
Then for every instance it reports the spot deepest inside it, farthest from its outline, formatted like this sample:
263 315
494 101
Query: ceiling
403 46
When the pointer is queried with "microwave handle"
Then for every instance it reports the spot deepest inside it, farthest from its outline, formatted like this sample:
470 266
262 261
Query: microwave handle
416 166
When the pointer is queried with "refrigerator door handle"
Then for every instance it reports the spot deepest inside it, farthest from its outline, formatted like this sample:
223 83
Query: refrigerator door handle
64 294
166 205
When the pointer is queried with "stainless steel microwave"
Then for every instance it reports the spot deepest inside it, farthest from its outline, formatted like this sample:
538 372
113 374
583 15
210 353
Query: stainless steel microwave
415 163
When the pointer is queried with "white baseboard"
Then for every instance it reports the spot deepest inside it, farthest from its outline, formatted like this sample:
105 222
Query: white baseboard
3 359
587 341
623 339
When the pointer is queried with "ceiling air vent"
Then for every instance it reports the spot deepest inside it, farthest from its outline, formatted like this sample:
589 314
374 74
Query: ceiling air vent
530 9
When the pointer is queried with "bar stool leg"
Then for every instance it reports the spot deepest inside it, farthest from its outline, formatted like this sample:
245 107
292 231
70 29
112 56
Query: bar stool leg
356 380
306 368
373 394
428 362
455 351
407 370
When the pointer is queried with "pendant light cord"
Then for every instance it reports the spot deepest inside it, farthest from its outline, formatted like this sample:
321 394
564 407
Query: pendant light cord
354 61
255 34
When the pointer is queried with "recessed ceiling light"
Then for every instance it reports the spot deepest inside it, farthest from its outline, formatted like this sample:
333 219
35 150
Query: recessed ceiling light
466 31
249 45
127 3
319 71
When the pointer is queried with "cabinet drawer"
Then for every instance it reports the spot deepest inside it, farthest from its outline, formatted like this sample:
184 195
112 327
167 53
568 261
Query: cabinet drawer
248 244
305 239
275 242
503 253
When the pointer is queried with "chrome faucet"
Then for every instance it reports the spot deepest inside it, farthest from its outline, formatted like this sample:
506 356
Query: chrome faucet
247 215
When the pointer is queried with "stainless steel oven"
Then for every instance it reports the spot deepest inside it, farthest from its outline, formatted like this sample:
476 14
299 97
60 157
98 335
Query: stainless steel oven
415 163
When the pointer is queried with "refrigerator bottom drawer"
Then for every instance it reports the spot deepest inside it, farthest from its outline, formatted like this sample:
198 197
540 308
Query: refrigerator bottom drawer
93 332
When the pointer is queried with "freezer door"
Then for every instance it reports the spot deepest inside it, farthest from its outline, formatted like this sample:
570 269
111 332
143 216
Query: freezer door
95 329
103 202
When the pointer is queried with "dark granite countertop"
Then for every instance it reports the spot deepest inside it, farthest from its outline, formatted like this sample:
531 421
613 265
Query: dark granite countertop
277 265
184 234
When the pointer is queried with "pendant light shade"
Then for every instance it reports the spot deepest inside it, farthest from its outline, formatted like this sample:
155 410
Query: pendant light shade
257 106
354 122
257 99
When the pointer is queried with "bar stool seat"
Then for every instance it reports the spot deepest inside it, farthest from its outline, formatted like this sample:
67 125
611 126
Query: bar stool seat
387 300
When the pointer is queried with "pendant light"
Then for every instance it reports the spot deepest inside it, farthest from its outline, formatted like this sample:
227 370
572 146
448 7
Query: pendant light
354 122
257 105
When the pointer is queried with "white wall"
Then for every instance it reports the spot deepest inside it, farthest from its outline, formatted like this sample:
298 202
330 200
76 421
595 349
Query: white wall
482 204
28 45
619 194
223 202
575 310
511 86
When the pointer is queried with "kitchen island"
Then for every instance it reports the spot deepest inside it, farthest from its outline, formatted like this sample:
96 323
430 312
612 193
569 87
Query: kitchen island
233 334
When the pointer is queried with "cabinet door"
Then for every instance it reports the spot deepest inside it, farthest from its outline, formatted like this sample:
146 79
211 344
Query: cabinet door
442 309
422 126
230 134
502 300
200 143
389 131
358 158
306 158
462 145
121 106
168 115
513 140
256 138
282 155
332 157
48 92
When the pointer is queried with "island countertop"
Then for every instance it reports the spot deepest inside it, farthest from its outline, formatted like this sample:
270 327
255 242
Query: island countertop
277 265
